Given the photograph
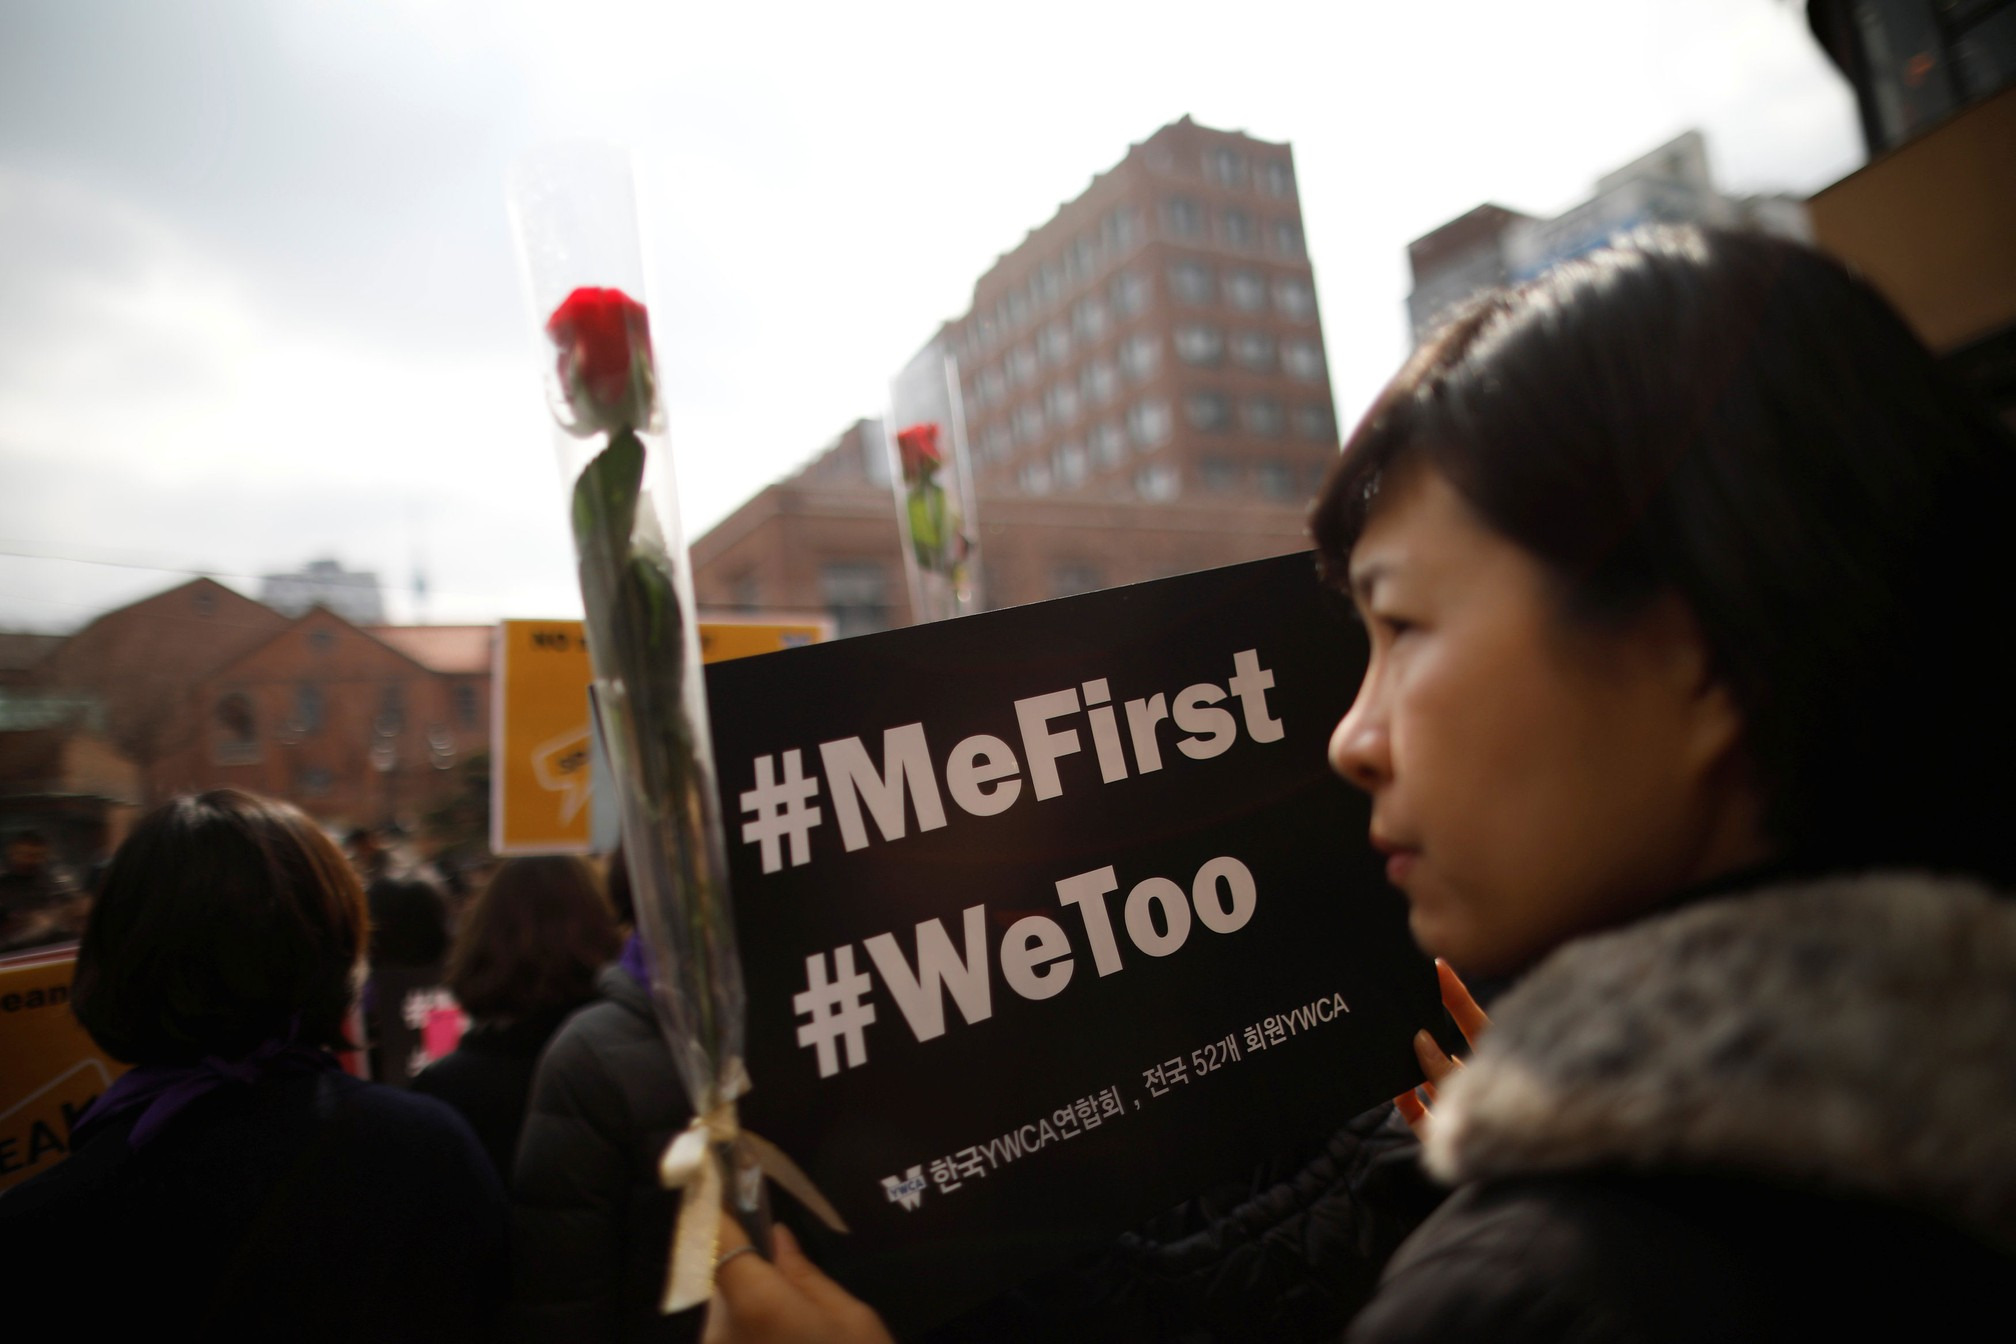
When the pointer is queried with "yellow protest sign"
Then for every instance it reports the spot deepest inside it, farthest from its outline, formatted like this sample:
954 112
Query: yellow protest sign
541 753
49 1067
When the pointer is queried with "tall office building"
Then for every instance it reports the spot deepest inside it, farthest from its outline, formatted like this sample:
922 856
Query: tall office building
1145 393
1157 338
1491 246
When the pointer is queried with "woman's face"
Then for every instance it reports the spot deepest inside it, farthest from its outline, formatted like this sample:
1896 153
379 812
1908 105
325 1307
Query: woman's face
1530 779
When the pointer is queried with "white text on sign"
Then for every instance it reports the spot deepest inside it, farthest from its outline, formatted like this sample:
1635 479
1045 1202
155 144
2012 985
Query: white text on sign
983 773
1035 956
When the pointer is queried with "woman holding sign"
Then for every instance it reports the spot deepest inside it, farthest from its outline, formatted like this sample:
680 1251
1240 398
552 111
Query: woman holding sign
1685 571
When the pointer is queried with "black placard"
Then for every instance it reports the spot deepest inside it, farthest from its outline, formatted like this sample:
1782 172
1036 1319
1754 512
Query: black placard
950 1155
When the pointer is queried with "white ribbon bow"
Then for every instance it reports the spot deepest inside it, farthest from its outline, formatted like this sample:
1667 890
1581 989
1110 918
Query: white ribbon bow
692 1165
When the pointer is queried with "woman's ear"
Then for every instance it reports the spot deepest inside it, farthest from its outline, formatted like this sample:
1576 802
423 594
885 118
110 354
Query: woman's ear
1711 720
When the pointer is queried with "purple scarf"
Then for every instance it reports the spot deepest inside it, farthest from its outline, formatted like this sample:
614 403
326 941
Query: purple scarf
631 959
160 1092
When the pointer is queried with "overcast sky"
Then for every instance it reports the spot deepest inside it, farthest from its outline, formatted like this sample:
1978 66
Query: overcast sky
258 302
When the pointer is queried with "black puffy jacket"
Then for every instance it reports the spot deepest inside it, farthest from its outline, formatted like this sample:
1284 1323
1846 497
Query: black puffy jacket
591 1228
1288 1255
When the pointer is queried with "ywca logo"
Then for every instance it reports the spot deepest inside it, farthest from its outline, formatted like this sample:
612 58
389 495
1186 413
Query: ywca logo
907 1190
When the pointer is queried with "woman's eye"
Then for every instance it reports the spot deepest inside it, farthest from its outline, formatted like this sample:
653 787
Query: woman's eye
1392 626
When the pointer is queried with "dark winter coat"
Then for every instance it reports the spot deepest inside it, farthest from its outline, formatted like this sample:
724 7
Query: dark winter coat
488 1078
591 1226
302 1207
1289 1255
1788 1114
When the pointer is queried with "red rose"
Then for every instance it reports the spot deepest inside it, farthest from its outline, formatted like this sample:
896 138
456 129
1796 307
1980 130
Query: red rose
604 339
918 447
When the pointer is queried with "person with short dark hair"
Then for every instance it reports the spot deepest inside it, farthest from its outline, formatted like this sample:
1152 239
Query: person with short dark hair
591 1224
1684 569
236 1178
39 901
526 957
407 1006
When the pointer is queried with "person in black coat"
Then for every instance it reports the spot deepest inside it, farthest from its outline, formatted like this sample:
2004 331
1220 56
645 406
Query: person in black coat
525 958
1683 569
591 1226
235 1181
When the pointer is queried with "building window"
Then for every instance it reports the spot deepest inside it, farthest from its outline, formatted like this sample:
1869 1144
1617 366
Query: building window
1028 423
1022 365
989 387
1207 411
998 442
307 709
1287 238
1120 230
1089 317
1139 355
1070 465
1276 480
1061 403
1253 350
1083 258
1099 380
1245 290
1191 282
235 733
468 712
1054 343
1226 166
204 601
321 639
1183 217
1199 343
1129 293
1048 283
1159 483
1315 422
1276 178
392 710
1018 308
1295 298
1218 475
1072 578
1149 422
1035 478
1240 231
856 595
1109 444
1263 416
1304 359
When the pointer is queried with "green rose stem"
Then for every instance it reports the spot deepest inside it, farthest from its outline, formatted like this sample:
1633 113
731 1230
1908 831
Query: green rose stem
638 644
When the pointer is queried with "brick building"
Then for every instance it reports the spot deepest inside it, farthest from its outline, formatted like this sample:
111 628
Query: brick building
1145 393
343 720
200 687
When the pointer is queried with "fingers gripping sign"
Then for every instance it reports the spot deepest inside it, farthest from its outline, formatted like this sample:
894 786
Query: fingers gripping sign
788 1301
1437 1066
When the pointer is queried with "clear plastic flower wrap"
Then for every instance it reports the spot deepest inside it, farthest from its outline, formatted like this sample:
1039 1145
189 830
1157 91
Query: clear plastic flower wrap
574 215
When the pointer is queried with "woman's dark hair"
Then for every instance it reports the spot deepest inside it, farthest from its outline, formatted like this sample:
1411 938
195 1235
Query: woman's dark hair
1738 420
409 922
533 940
224 921
620 900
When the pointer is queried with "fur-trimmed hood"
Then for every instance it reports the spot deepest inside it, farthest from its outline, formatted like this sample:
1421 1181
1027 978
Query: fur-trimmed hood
1854 1034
